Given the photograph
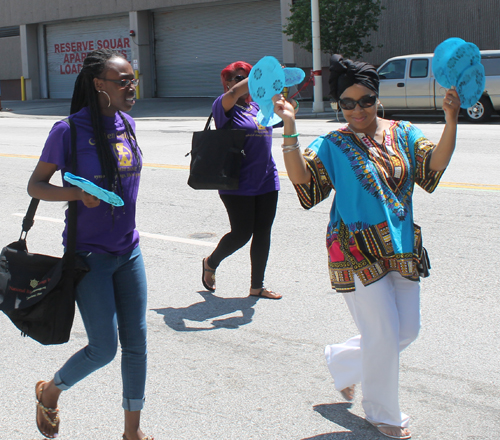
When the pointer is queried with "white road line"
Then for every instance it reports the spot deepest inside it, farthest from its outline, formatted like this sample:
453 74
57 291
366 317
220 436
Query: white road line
142 234
37 217
177 239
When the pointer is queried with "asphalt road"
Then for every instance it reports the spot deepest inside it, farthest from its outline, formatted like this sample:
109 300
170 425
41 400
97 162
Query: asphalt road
226 366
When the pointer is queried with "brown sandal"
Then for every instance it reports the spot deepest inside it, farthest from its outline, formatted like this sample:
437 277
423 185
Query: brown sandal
205 284
51 415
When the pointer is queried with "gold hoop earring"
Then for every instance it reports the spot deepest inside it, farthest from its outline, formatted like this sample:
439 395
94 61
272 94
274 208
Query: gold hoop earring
106 93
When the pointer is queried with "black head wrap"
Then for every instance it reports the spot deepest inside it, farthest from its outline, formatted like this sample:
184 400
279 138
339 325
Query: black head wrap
345 73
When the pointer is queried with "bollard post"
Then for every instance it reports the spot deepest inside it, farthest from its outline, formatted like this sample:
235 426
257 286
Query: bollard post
23 89
137 89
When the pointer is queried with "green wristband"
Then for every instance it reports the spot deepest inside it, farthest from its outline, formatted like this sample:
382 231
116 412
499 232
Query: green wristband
290 135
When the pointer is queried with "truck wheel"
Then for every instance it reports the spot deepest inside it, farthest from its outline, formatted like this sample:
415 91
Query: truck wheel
480 112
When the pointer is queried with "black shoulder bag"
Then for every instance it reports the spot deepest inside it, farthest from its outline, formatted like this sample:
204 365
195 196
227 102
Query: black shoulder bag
216 158
37 291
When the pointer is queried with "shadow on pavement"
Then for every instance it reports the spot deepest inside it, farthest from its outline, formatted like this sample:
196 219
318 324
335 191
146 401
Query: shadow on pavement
200 316
355 427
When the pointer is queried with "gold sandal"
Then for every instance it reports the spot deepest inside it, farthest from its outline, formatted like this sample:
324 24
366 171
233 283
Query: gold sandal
348 393
149 437
381 426
46 412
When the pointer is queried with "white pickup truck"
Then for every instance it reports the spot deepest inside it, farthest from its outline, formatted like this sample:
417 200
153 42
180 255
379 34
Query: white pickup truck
407 83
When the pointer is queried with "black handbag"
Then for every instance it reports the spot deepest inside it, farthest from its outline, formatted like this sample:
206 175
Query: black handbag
424 263
216 158
37 291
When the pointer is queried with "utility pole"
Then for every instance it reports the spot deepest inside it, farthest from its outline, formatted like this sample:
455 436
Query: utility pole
316 54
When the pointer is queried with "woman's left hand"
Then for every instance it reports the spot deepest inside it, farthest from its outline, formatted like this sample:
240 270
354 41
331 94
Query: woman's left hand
451 106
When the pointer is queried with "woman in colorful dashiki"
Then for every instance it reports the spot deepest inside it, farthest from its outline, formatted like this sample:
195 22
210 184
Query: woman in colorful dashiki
252 207
112 296
374 247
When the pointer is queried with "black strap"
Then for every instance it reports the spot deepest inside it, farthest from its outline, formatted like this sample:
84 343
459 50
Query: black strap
28 219
71 238
207 125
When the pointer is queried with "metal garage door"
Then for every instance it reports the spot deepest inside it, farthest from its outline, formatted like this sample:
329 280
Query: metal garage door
68 43
193 45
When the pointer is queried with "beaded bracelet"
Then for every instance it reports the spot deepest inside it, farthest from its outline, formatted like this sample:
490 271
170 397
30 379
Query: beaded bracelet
291 135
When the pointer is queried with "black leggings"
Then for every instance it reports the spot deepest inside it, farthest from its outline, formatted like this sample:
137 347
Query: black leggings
249 216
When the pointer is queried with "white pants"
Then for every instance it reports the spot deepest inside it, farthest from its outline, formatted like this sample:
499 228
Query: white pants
387 314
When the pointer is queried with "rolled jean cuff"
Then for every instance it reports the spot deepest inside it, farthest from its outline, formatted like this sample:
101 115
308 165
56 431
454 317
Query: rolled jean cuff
133 404
59 383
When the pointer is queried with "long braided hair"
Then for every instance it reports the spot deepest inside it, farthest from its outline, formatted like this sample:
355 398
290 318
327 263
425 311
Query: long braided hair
86 95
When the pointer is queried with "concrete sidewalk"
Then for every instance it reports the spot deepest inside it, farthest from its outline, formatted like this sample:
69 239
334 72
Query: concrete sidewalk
151 108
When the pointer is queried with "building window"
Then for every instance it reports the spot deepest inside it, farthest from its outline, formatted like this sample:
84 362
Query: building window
11 31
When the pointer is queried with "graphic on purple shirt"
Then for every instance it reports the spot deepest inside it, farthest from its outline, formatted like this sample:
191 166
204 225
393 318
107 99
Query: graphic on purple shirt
259 174
98 229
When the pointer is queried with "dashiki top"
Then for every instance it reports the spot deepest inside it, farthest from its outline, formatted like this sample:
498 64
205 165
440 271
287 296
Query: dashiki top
371 229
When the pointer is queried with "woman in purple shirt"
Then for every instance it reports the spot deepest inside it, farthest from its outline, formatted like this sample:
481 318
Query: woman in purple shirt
112 296
252 207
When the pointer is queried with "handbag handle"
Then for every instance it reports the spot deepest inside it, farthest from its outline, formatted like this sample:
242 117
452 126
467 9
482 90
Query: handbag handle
28 219
207 125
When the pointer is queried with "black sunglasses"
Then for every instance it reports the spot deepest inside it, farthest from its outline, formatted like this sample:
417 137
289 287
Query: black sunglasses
365 102
123 82
238 78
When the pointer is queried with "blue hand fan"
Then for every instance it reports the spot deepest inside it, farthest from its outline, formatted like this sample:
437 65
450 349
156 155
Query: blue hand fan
94 190
470 85
457 63
266 79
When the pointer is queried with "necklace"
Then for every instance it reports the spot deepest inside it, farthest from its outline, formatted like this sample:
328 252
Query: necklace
246 107
383 157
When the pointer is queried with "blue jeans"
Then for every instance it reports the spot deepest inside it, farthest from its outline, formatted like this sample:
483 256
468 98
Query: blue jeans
112 302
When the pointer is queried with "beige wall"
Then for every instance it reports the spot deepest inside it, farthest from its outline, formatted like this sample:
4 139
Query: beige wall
11 66
406 26
16 12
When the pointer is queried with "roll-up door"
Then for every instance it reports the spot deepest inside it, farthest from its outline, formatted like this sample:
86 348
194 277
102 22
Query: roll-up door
193 45
69 43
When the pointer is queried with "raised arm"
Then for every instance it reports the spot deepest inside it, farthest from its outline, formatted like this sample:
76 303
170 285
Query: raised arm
295 163
40 188
230 98
446 146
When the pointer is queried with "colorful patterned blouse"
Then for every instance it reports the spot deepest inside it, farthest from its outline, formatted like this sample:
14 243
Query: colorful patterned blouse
371 229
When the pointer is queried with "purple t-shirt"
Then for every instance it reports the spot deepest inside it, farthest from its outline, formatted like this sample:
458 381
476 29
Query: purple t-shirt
99 229
259 174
